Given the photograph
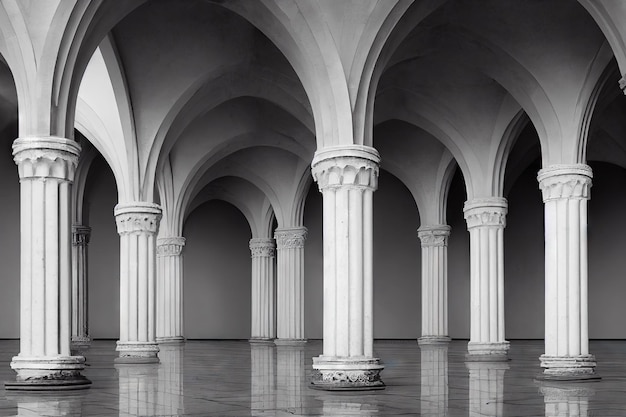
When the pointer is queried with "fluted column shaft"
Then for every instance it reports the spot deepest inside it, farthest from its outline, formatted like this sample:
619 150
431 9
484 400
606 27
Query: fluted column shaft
137 225
263 252
434 283
486 219
46 168
566 189
290 284
347 177
169 327
80 310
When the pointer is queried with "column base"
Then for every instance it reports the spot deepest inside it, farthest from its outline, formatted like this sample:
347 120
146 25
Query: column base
433 340
487 352
347 374
137 352
57 373
290 342
261 340
170 340
568 368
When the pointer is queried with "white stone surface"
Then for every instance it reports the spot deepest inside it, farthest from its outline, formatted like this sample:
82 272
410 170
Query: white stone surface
263 252
169 326
80 305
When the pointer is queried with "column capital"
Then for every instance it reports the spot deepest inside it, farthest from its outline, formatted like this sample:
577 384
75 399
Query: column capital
137 217
565 182
292 237
622 84
170 246
46 157
80 235
488 211
262 247
434 235
351 166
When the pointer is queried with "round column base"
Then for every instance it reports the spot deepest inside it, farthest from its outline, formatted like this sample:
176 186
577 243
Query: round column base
568 368
137 352
170 340
346 374
261 340
290 342
57 373
487 352
433 340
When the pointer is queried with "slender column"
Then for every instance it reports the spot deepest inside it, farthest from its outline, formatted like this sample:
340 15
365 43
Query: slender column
80 315
263 253
486 219
563 400
290 379
137 224
262 379
290 285
486 388
434 379
347 177
434 283
170 290
566 189
46 168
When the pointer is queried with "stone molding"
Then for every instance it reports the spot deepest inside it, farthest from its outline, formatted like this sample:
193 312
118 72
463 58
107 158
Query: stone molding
432 236
486 212
137 217
558 182
622 84
80 235
262 248
46 157
170 246
291 238
346 166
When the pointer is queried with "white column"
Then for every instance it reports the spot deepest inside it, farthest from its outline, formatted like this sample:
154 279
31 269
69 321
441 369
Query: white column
486 388
262 379
486 219
137 225
434 380
170 290
566 189
434 283
290 379
566 400
46 168
290 285
347 177
263 252
80 315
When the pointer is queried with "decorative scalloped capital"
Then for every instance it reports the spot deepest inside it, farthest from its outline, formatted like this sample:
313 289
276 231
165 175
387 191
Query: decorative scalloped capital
46 157
170 246
262 248
137 217
436 235
486 212
346 166
291 238
559 182
80 235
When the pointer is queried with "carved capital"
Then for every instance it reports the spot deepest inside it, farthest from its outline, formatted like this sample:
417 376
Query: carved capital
262 248
291 238
170 246
486 212
46 157
565 182
622 83
80 235
137 218
434 235
346 166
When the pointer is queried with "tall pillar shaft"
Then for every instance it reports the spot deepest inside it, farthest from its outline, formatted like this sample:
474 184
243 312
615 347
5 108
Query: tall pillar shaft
347 177
486 219
263 253
169 327
46 168
137 225
290 284
566 189
80 315
434 283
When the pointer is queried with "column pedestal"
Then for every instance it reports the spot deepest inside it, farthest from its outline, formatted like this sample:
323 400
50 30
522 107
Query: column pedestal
263 328
486 219
566 189
46 168
170 290
80 323
347 177
137 225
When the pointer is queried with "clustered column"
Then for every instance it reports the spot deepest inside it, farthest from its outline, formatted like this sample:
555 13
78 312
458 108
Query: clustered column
486 219
80 322
290 284
434 283
566 189
46 168
263 253
347 177
137 224
170 290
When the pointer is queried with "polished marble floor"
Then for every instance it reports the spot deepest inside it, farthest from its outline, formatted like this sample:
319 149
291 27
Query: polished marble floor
235 378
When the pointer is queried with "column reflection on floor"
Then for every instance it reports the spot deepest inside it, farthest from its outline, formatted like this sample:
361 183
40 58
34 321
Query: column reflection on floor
434 379
36 404
262 379
290 378
486 388
566 399
170 384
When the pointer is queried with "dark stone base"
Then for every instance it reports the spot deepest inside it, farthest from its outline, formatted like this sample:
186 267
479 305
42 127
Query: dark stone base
43 384
140 360
573 378
362 380
344 386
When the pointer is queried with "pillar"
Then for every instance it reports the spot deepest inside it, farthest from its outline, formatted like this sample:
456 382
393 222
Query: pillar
563 400
566 189
290 285
80 316
347 177
170 290
263 252
434 283
486 388
137 225
434 379
486 219
46 168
